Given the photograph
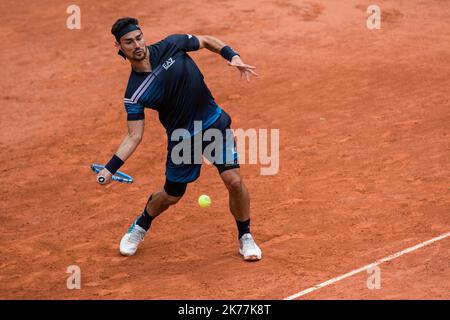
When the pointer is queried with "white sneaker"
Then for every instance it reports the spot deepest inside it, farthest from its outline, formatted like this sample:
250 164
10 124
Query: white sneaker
130 241
248 248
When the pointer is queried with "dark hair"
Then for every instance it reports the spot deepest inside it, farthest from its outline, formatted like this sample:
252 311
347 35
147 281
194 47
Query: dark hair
121 23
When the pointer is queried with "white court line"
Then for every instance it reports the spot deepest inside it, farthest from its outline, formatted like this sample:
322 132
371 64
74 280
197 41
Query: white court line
376 263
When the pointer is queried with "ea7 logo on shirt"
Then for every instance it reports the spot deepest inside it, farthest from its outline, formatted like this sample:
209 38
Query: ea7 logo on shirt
168 63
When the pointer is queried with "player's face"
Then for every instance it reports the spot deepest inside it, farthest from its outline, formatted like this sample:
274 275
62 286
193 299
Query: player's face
133 46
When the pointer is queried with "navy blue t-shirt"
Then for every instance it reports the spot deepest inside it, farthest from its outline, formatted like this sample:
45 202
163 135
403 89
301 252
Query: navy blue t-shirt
175 87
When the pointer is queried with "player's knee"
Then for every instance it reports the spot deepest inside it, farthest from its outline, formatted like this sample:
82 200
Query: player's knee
174 191
234 185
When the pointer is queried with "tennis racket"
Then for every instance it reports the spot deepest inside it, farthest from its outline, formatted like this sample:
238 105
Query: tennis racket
118 176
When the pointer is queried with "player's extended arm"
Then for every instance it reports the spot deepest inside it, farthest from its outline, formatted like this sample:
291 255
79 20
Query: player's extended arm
215 45
211 43
126 148
132 139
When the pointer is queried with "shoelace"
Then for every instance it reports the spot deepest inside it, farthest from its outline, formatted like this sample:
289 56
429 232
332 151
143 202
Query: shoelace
248 242
136 236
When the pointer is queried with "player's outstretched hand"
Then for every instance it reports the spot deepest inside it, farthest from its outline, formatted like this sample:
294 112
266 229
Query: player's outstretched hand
245 69
104 177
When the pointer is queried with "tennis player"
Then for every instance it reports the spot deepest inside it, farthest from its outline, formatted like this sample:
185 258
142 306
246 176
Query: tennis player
165 78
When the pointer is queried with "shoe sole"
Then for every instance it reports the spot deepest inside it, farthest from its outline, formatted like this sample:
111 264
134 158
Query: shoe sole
253 257
127 254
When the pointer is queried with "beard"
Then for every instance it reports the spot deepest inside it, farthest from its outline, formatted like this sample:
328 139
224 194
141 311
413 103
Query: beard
138 55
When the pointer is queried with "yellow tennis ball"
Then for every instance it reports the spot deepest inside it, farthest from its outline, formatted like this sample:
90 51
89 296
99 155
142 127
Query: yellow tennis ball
204 201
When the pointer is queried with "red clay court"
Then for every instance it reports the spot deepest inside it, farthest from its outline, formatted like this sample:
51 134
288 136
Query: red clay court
364 120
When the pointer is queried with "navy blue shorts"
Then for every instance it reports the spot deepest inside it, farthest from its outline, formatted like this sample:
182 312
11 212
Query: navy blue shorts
190 171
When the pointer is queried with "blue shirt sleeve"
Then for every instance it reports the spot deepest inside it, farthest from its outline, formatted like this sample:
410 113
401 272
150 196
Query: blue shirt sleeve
135 111
185 42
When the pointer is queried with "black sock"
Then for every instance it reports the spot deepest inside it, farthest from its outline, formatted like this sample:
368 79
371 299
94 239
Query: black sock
144 220
243 227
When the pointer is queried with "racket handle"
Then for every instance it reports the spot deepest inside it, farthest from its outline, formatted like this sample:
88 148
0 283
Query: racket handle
101 180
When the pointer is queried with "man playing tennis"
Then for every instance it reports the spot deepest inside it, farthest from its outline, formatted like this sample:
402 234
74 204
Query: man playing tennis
163 77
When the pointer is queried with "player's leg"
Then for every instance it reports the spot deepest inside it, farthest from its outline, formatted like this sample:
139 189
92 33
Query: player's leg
239 201
156 204
160 201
